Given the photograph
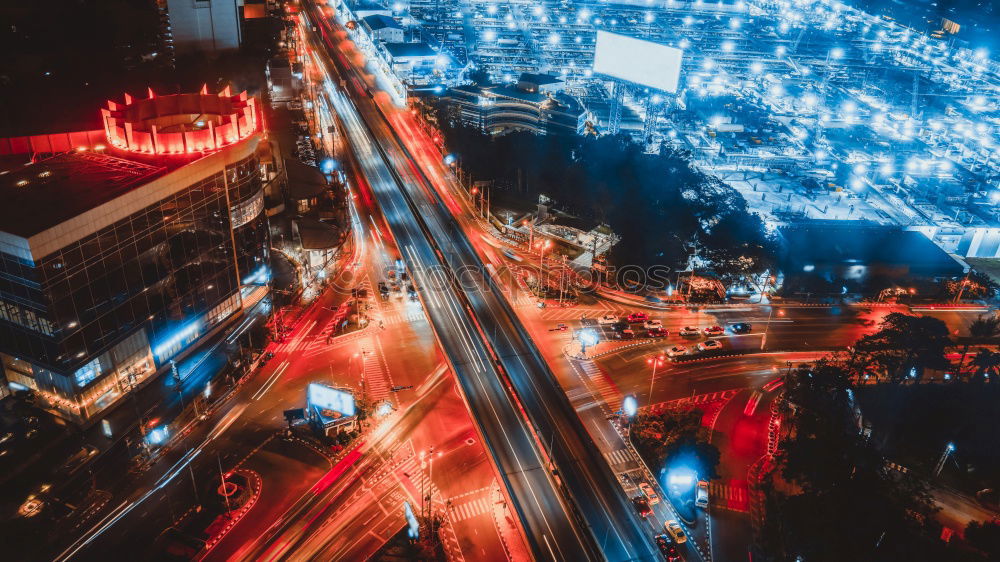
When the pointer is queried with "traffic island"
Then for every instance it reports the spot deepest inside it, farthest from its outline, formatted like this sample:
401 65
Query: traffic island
235 497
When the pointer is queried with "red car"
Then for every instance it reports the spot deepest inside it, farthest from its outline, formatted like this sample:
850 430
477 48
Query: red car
637 317
656 333
641 505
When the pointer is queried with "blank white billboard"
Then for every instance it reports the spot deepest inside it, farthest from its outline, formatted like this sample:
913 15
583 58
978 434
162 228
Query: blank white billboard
641 62
326 398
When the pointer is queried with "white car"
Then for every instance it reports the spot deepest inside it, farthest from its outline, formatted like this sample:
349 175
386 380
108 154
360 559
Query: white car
689 331
701 494
674 529
677 351
607 319
710 345
652 324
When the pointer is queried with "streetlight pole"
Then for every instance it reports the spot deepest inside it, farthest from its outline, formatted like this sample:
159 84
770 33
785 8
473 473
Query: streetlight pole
655 362
948 450
763 340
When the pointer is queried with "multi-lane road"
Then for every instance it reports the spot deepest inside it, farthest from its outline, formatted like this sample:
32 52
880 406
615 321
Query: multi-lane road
565 495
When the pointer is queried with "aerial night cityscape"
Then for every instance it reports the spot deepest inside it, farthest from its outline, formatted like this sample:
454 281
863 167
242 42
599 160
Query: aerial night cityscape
500 280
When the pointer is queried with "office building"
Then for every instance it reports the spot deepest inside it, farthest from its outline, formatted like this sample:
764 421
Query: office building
205 25
533 105
120 248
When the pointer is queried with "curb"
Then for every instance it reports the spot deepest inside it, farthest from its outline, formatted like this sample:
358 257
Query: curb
240 514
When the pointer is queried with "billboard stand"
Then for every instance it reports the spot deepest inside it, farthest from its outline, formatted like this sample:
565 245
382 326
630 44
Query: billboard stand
615 113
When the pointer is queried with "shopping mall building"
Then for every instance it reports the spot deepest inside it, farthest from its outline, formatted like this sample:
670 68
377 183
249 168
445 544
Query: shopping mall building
121 247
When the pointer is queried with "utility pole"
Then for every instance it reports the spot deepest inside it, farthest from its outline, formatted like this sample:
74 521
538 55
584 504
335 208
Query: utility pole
948 450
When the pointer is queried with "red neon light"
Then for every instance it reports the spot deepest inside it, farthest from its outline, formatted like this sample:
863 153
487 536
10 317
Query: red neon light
158 124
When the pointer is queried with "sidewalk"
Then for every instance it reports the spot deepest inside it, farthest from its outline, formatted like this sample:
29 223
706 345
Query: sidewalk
505 521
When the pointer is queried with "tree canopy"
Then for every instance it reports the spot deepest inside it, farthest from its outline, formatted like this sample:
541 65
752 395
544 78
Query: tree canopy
658 203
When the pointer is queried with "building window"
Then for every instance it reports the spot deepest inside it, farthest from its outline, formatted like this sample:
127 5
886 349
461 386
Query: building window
87 373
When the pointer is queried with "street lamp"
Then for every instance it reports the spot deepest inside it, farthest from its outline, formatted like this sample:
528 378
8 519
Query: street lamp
763 339
655 362
542 246
948 450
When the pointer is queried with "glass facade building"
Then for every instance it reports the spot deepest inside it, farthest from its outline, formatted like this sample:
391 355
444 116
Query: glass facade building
93 305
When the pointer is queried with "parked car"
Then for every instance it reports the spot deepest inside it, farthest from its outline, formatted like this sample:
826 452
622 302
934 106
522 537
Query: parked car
712 331
650 494
675 531
656 333
677 351
689 331
637 317
608 319
740 328
710 345
650 324
701 494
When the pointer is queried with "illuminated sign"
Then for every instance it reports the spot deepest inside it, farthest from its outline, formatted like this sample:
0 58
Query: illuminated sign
637 61
413 527
325 398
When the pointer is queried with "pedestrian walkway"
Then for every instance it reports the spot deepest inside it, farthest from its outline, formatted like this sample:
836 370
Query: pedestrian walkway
411 470
732 495
690 400
575 312
374 375
470 509
617 457
398 316
600 381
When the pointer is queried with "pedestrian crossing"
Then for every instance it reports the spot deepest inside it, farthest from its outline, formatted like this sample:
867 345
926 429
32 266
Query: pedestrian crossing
691 400
375 378
411 470
576 312
600 381
733 496
402 316
470 509
618 456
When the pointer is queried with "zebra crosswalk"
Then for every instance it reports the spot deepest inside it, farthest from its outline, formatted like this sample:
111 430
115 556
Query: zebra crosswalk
609 392
402 316
470 509
575 312
617 457
733 495
411 470
376 379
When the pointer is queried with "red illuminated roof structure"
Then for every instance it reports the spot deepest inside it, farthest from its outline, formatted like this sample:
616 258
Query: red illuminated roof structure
180 123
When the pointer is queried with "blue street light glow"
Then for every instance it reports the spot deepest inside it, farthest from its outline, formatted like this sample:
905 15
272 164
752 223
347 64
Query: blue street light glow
169 345
329 165
630 406
450 159
158 436
588 338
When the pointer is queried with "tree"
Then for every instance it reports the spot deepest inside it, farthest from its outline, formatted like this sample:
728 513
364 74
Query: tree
980 331
985 536
986 362
903 344
831 496
675 436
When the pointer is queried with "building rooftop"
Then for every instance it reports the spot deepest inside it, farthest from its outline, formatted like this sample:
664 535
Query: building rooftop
319 235
40 195
304 181
865 243
380 21
398 50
